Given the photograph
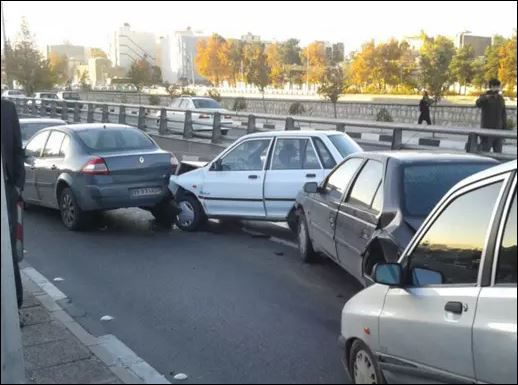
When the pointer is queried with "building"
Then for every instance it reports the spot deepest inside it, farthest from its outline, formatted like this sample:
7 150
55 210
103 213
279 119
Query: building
478 43
99 71
183 53
128 46
75 53
164 59
249 37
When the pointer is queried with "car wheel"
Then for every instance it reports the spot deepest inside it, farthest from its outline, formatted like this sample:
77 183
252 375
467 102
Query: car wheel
363 366
305 247
191 215
165 213
71 214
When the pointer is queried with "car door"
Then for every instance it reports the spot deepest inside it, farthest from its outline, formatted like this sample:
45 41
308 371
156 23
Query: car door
52 165
294 162
177 117
323 208
358 216
233 184
33 154
426 328
494 330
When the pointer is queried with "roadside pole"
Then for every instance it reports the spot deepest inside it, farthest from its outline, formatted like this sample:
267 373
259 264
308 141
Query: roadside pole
13 371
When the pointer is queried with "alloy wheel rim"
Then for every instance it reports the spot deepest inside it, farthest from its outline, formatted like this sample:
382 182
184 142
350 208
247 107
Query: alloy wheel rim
302 237
186 215
68 209
364 372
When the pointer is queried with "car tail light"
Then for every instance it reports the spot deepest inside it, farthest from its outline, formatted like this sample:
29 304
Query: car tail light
202 116
96 166
174 163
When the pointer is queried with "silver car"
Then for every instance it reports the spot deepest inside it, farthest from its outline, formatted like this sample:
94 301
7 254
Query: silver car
446 313
81 169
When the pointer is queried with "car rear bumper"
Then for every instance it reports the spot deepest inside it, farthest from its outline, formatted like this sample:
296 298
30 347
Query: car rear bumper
115 197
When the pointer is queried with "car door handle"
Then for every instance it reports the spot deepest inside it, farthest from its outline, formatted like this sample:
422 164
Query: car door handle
252 176
311 175
454 307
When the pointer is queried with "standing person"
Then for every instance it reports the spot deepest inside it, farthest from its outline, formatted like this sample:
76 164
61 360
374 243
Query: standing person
14 177
424 109
493 116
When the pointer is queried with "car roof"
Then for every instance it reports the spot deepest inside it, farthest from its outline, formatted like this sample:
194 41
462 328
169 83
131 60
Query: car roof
490 172
42 120
268 134
422 157
92 126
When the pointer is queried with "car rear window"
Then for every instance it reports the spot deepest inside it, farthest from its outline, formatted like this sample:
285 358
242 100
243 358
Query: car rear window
344 145
110 139
425 185
206 103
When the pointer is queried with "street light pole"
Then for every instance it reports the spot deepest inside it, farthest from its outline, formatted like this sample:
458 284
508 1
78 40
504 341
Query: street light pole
6 51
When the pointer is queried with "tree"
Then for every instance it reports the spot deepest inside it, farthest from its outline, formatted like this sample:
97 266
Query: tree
256 67
363 66
59 65
141 73
314 56
332 85
211 58
507 67
478 66
461 67
435 57
290 52
233 60
274 58
493 58
97 52
156 75
27 66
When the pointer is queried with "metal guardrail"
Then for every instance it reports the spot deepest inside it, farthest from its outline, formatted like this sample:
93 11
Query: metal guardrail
86 111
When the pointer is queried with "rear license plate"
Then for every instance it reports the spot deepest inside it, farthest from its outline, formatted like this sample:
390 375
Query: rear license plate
145 192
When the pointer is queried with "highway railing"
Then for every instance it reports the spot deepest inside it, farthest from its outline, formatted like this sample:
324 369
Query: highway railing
208 125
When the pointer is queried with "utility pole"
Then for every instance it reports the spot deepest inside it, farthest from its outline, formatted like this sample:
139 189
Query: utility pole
6 51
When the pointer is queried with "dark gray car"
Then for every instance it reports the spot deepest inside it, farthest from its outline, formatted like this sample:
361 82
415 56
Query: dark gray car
81 169
30 126
371 205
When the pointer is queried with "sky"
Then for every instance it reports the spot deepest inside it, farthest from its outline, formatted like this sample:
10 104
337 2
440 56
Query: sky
353 23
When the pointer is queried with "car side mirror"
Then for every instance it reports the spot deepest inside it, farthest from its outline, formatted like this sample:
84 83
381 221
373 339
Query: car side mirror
311 187
390 274
425 277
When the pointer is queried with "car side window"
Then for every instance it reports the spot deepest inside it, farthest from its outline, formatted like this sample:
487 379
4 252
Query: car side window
366 185
53 145
248 156
507 267
377 203
294 154
341 177
452 247
35 146
65 147
325 155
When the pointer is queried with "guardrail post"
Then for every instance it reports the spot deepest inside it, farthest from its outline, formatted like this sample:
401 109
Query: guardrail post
290 124
90 113
53 113
122 114
141 118
187 125
472 145
162 126
250 128
397 139
77 113
43 108
340 127
216 128
25 108
105 117
64 112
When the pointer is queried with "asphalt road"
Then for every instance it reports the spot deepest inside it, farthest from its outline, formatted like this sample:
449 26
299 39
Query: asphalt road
223 305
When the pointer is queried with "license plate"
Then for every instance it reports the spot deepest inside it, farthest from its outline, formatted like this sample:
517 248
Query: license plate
145 192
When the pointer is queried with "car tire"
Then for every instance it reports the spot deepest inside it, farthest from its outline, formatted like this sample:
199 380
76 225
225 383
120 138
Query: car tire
306 251
165 213
191 215
363 365
71 214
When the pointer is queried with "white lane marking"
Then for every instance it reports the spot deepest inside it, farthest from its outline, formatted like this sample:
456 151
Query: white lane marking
107 318
44 284
284 242
180 377
58 279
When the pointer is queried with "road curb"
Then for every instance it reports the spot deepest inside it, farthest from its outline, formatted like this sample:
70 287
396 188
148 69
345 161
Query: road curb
119 358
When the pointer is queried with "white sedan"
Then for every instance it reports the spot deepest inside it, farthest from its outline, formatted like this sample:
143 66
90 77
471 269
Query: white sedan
200 121
259 176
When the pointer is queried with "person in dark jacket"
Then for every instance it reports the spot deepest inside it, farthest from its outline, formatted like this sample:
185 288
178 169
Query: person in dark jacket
424 109
493 116
14 177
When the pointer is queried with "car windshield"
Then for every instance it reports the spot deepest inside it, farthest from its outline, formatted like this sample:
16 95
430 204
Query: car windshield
29 129
344 145
115 139
425 185
206 103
